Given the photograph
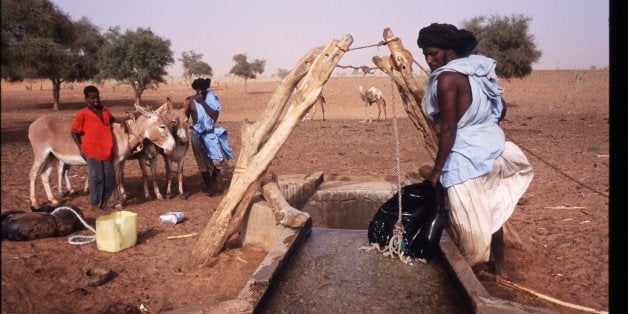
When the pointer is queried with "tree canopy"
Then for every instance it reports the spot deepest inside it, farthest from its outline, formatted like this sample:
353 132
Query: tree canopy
41 42
247 70
194 66
138 58
505 39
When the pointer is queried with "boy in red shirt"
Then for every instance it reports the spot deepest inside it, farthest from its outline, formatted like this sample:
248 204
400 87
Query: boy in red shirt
91 131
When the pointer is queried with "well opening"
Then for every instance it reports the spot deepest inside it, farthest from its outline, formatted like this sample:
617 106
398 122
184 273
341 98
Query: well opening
331 273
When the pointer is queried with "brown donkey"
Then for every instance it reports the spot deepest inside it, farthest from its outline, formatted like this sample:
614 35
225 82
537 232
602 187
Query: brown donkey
179 126
51 141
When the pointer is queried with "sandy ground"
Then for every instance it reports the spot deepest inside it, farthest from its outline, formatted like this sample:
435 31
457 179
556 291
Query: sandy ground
561 124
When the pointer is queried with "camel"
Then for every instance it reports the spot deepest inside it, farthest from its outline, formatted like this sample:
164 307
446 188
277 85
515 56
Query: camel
370 96
148 155
320 100
51 140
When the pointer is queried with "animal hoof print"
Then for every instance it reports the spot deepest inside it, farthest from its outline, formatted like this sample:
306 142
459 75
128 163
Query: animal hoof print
98 276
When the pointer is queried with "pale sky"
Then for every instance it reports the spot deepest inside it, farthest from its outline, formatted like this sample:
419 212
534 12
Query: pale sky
571 34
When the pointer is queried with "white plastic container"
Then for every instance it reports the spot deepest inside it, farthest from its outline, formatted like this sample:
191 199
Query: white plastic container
171 218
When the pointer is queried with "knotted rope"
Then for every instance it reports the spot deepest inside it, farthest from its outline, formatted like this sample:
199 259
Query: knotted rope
366 69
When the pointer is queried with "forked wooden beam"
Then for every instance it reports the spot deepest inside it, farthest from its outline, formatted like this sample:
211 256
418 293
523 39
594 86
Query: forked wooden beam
399 67
259 146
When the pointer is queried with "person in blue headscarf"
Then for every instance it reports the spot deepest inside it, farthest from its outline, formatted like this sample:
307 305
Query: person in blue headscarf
209 142
484 174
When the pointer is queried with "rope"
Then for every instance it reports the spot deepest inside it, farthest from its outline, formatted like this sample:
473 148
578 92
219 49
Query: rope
394 107
397 238
381 43
78 239
369 69
364 68
133 131
424 70
559 170
394 246
392 251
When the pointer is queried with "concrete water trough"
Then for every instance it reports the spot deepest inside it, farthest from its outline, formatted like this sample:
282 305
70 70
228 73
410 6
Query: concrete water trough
324 267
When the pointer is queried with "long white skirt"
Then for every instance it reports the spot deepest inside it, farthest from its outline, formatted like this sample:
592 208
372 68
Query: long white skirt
480 206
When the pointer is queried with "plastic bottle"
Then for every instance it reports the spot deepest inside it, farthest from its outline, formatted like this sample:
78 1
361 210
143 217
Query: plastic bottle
171 218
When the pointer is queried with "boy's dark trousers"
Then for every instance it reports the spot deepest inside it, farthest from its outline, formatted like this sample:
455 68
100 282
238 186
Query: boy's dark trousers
101 180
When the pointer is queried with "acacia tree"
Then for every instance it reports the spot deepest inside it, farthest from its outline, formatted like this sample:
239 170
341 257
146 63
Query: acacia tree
138 58
505 39
194 66
245 69
41 42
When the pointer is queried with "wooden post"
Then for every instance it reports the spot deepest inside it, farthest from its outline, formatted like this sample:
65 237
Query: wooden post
284 213
259 148
409 87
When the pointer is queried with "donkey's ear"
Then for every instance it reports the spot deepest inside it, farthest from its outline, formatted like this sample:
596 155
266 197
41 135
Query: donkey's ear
142 110
162 108
169 103
187 102
131 115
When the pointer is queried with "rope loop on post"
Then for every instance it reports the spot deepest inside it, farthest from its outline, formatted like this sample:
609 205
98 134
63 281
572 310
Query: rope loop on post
342 49
381 43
